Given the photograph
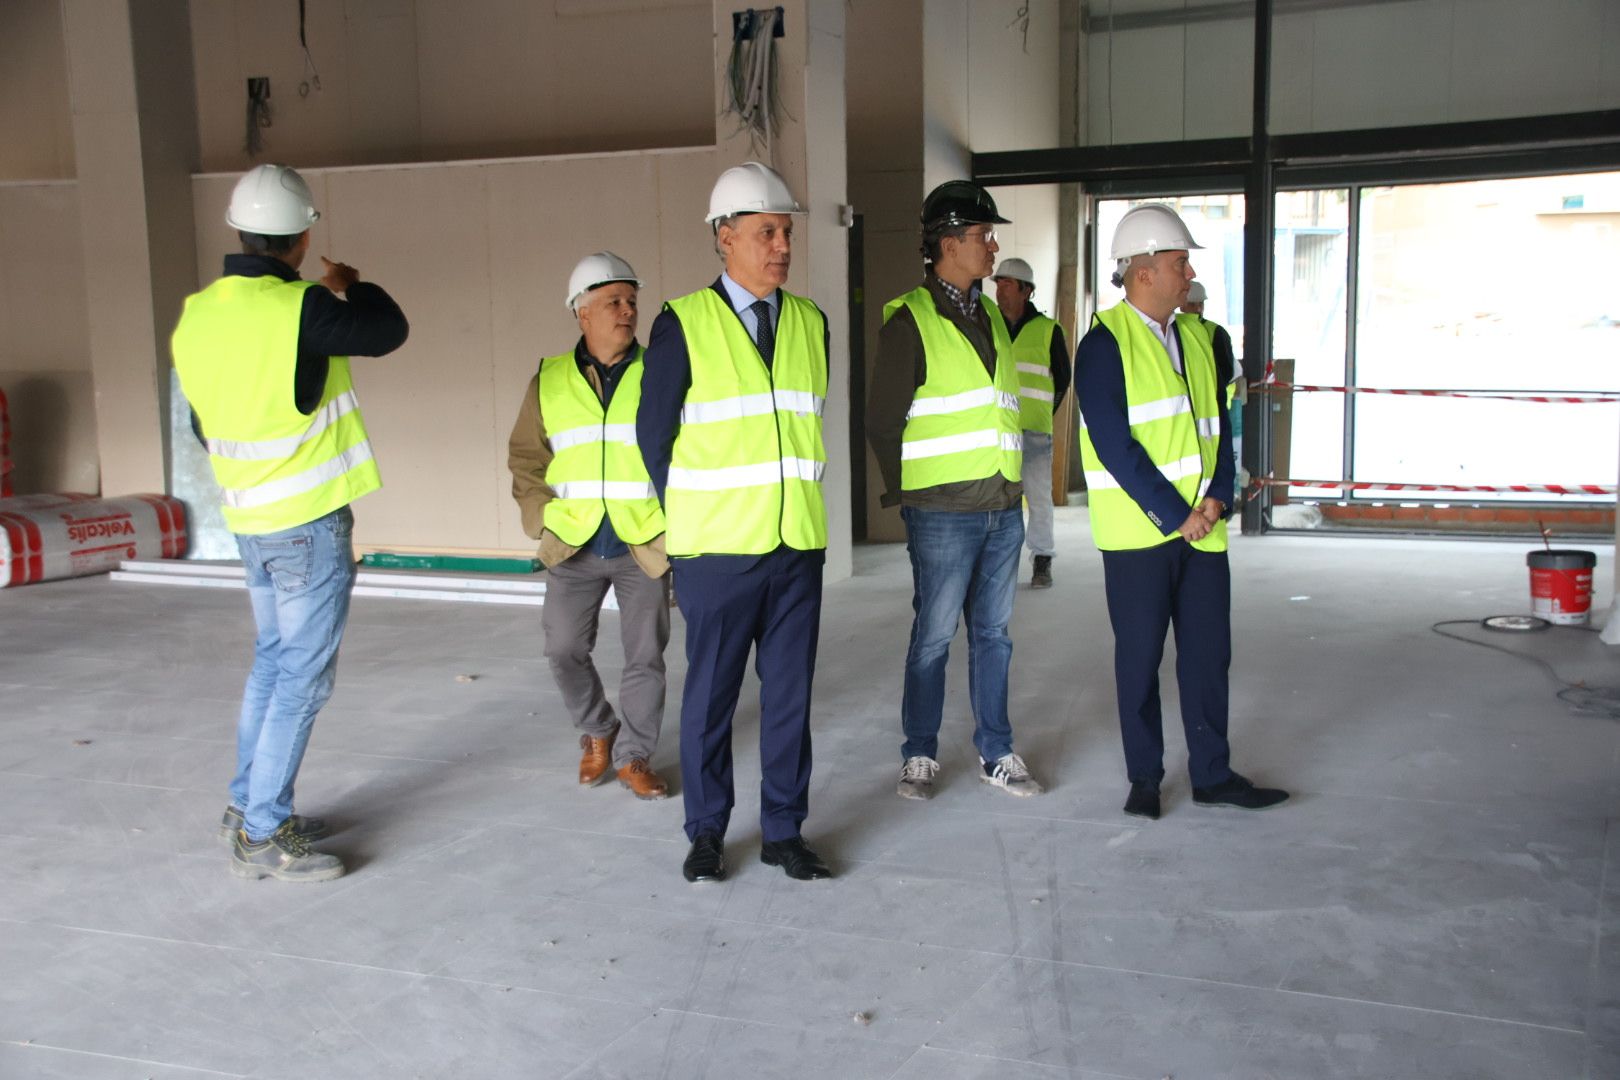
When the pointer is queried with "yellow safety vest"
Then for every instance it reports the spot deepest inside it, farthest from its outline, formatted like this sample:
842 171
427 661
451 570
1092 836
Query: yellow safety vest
597 470
1176 419
236 351
745 472
1032 352
962 425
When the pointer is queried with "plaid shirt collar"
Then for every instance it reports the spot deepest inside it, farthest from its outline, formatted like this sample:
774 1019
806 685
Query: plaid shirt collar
965 302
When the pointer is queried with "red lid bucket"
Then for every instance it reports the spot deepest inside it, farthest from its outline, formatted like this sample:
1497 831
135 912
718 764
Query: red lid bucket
1561 586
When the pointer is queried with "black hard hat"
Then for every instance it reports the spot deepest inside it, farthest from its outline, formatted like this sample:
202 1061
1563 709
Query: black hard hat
959 202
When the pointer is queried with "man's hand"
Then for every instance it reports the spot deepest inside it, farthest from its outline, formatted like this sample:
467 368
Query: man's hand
1196 527
1212 509
338 276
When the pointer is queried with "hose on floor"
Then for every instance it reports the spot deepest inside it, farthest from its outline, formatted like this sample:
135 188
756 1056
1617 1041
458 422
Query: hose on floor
1587 700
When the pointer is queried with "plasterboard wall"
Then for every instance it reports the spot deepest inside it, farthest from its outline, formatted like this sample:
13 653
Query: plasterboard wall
44 341
478 256
34 112
434 80
1356 66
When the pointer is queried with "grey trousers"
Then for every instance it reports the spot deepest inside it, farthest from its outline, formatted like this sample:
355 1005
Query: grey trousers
570 615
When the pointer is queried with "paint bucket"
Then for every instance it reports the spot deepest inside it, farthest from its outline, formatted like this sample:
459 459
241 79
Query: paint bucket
1561 586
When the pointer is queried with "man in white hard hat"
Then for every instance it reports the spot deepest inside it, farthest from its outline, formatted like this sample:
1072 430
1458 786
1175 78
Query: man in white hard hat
730 427
1226 367
585 495
263 360
1042 356
1156 448
944 423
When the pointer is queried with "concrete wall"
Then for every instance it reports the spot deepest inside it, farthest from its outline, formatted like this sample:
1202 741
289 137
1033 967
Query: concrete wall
478 256
430 80
1357 66
44 340
929 83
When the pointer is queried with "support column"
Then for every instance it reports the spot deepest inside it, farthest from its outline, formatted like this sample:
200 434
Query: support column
130 61
809 151
1072 312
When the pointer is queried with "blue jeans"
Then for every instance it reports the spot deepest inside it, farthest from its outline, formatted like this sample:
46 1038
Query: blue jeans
962 564
299 582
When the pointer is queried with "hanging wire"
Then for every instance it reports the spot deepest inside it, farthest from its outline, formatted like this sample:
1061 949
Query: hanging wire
258 115
751 73
312 77
1022 15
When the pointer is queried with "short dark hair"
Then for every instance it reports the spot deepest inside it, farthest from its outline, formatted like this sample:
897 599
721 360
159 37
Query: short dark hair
260 244
932 238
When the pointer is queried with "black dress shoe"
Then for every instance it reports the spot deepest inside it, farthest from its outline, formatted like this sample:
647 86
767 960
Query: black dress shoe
1143 801
795 858
1239 792
707 859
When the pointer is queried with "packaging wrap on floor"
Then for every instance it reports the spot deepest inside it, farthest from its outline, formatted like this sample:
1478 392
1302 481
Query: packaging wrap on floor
45 537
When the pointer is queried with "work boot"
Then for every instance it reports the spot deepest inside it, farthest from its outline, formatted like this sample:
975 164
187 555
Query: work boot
643 783
1042 578
596 759
285 856
310 828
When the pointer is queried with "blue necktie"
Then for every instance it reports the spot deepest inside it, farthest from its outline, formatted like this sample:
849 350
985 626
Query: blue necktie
764 332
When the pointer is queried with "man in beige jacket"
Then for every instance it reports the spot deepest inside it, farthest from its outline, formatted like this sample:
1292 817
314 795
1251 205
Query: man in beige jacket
578 478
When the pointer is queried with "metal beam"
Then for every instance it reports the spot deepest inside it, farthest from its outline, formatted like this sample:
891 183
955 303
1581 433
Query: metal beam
1259 228
1091 163
1219 11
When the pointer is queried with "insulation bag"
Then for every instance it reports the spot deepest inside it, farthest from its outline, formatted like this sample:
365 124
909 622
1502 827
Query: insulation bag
45 537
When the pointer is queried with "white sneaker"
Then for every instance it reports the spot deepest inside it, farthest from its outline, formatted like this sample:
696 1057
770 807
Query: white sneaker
1011 775
917 778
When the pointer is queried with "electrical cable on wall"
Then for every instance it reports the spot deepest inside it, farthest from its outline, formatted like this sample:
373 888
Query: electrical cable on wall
258 115
1022 16
751 74
312 77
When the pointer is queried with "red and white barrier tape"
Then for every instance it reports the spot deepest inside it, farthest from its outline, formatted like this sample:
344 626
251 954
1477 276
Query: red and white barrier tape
1597 398
1361 485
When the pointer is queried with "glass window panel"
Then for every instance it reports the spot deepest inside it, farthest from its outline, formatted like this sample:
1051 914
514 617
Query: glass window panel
1312 251
1489 285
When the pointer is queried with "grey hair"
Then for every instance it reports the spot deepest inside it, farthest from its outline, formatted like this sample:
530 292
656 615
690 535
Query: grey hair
730 222
1124 268
934 237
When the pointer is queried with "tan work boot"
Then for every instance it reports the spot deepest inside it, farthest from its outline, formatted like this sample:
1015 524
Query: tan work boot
642 781
596 759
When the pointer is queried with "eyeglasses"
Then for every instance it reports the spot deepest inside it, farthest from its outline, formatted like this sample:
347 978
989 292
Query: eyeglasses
986 237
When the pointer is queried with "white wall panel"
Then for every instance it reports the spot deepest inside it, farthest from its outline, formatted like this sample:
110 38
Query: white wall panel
478 257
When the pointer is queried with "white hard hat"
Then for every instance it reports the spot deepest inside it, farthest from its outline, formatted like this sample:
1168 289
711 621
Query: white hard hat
602 268
272 200
1196 293
1017 270
1150 229
750 188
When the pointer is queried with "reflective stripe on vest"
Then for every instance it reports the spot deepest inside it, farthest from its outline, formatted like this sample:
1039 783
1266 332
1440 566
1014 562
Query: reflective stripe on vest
962 425
1032 351
745 472
236 352
597 469
1175 419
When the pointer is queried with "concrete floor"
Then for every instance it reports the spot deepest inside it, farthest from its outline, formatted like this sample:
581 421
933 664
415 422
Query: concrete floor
1437 901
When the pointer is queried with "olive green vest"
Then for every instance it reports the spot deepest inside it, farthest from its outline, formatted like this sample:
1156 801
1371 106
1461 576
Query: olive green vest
745 471
597 470
1176 419
236 351
962 424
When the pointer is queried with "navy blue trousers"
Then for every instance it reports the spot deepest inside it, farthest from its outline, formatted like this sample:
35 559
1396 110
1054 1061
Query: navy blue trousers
774 609
1149 591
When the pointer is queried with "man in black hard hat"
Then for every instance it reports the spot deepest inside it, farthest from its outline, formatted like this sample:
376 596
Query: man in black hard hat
943 420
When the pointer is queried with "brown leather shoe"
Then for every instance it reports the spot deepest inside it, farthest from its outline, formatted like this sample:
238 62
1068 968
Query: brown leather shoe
642 781
596 759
